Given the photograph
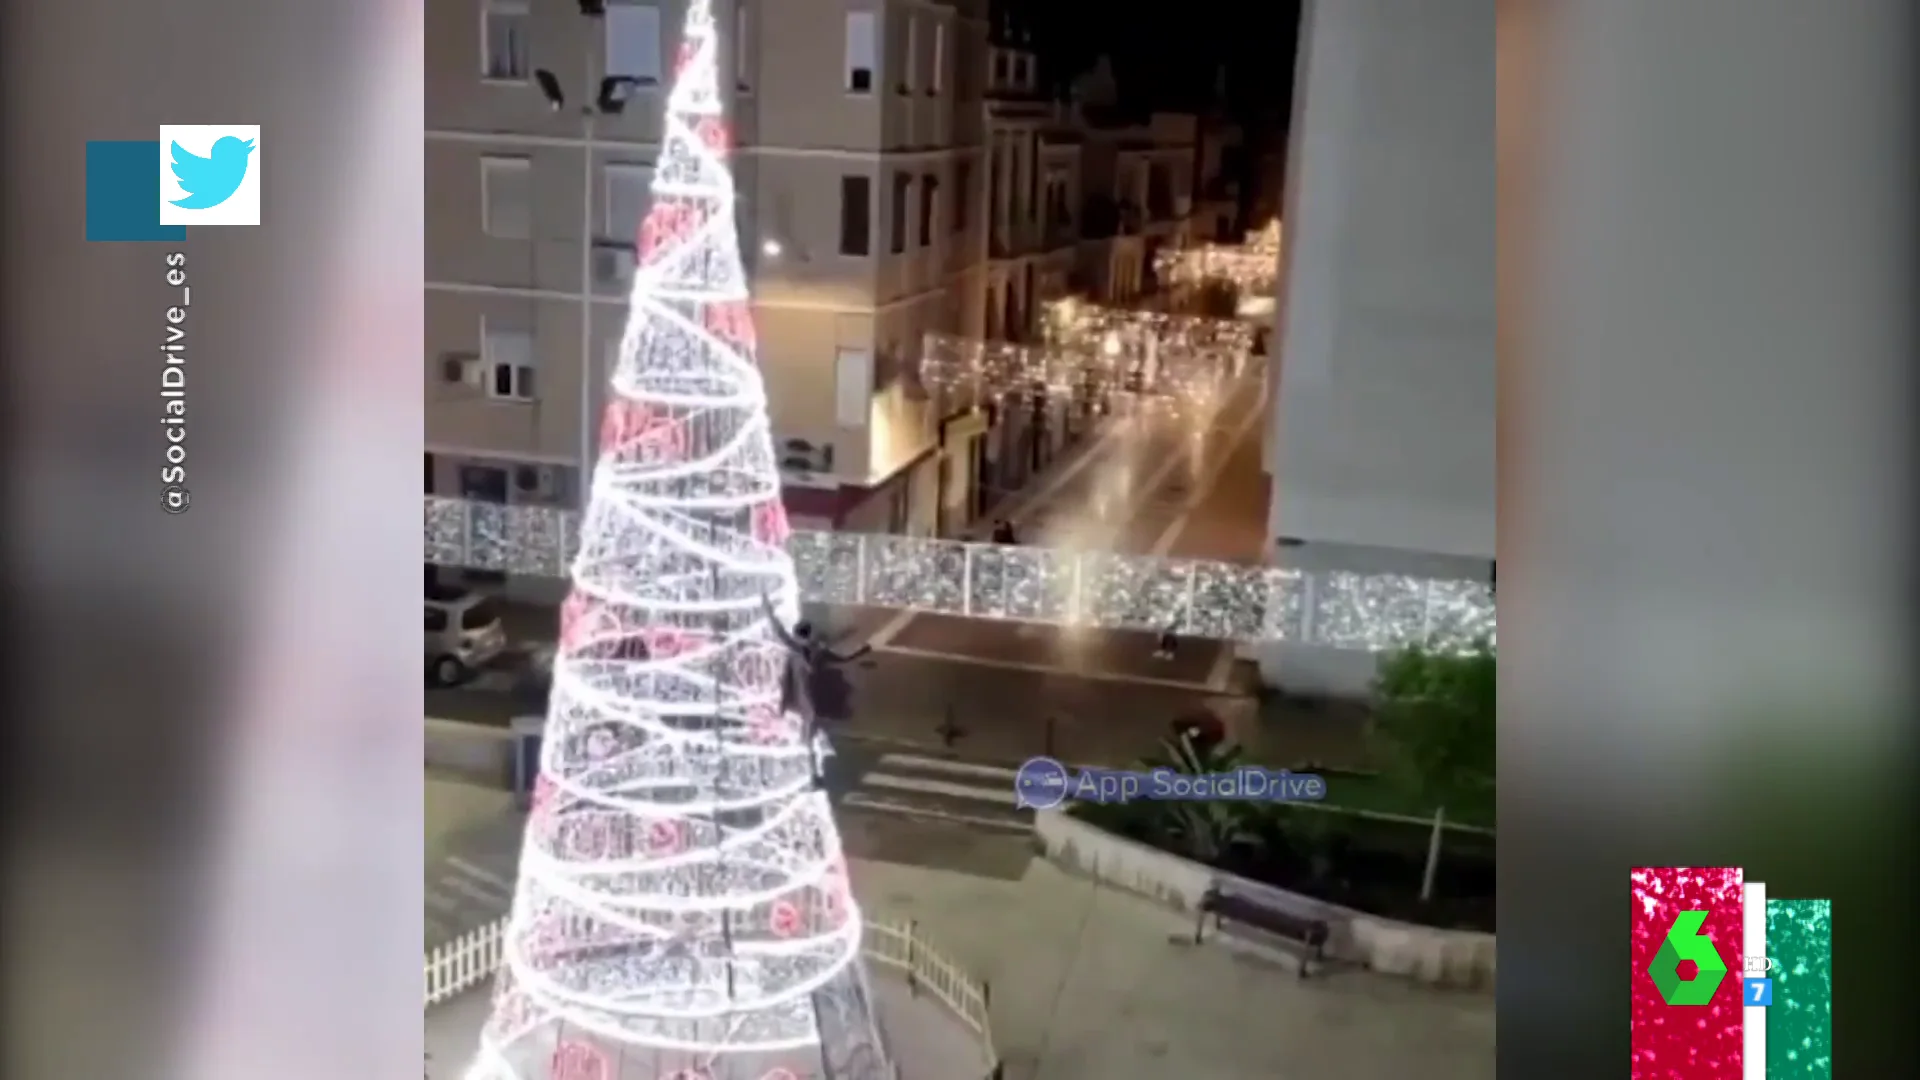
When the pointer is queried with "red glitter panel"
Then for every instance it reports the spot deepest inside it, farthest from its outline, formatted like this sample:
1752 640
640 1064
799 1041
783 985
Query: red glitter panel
770 525
732 323
667 224
767 726
715 135
1687 1042
624 421
581 621
579 1061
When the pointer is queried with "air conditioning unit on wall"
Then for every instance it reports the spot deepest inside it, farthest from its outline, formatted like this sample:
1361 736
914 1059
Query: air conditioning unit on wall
463 368
537 481
612 264
800 457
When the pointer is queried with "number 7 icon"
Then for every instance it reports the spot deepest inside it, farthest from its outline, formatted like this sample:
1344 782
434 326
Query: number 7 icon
1759 992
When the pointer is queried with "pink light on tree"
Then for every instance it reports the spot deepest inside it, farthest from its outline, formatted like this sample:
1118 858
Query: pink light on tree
683 909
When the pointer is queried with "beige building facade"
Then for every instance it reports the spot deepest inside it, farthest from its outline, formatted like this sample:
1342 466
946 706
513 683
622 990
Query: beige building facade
899 172
862 210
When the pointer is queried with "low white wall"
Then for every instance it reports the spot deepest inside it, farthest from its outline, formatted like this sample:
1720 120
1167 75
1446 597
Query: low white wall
471 752
1452 958
1314 670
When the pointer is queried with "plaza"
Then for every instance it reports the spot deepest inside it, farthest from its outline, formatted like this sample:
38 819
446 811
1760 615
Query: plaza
1087 983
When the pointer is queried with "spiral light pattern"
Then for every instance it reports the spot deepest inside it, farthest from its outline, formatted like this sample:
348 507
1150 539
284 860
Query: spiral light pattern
683 908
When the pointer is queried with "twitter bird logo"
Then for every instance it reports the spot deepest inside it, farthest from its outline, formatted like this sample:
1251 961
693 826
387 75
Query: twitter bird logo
210 174
211 180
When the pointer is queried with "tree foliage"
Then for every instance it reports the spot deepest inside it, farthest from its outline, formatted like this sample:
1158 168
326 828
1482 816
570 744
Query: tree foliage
1436 710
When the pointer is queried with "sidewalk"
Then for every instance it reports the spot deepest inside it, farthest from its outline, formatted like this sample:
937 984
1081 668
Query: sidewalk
1087 985
902 701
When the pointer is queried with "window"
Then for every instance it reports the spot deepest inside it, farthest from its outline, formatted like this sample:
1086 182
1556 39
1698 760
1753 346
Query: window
625 189
929 199
480 616
937 77
962 194
633 41
856 215
507 352
436 620
743 58
860 52
853 387
504 29
899 507
506 197
910 70
999 69
902 192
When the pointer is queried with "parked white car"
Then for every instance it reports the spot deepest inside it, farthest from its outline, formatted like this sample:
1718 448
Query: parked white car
464 634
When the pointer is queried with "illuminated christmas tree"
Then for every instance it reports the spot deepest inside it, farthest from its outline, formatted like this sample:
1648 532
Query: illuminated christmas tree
683 910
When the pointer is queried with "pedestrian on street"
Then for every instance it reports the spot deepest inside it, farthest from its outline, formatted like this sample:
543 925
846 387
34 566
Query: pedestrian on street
1168 645
1202 729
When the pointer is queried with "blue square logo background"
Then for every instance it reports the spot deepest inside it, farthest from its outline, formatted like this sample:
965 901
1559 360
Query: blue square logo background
1757 992
123 194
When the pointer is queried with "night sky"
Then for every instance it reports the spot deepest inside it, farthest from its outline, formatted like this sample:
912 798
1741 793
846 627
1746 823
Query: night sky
1172 61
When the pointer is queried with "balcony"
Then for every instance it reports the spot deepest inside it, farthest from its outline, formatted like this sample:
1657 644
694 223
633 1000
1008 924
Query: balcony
1012 240
1103 218
1220 189
1059 234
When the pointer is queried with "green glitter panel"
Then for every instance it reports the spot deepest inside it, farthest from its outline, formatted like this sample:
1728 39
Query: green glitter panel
1799 1022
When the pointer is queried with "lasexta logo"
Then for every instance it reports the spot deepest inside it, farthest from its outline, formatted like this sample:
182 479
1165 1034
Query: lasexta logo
1685 942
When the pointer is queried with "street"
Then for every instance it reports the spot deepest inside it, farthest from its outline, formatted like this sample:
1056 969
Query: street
1166 488
993 694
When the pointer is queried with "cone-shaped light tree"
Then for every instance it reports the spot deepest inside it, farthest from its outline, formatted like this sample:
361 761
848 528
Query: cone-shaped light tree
683 910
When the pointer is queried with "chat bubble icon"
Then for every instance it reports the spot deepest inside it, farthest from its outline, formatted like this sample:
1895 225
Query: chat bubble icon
1039 784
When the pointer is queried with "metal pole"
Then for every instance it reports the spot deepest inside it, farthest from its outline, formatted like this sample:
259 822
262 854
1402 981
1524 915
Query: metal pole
1433 855
587 372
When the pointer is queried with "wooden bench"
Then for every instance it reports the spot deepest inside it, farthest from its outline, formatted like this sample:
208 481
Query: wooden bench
1226 905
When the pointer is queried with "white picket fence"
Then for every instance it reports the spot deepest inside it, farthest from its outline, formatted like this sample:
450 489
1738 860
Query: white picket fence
469 960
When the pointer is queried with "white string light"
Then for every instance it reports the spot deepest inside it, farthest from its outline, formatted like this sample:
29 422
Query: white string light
1337 609
683 908
1251 267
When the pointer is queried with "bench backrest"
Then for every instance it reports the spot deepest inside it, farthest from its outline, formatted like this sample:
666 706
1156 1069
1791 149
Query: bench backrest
1261 912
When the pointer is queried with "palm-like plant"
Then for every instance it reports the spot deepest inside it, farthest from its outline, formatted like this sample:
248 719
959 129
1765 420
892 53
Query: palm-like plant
1203 831
1193 758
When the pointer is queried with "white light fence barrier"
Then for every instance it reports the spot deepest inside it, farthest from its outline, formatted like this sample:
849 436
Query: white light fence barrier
470 960
1193 597
465 962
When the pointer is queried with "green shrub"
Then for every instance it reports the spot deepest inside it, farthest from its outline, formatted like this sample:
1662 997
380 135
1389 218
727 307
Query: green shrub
1435 711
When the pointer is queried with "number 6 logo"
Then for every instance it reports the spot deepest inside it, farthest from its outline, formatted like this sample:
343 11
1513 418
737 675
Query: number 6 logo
1685 942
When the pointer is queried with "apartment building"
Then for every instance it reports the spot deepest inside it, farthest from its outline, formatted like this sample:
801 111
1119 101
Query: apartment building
1137 197
1032 163
1219 167
862 210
